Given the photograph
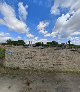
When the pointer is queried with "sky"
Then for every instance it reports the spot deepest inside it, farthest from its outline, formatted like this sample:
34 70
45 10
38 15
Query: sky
40 20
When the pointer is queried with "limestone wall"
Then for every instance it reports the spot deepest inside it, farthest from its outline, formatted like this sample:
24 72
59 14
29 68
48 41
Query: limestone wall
47 58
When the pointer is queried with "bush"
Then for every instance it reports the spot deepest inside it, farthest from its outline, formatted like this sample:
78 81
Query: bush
2 53
15 43
38 44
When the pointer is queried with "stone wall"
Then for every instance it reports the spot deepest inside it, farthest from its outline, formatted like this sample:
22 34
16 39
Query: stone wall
36 58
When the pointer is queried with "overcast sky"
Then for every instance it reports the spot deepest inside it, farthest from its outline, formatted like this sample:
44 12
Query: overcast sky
40 20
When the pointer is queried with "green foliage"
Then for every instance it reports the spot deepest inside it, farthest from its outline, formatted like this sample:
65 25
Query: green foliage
59 45
2 53
9 42
52 44
21 42
49 44
38 44
16 43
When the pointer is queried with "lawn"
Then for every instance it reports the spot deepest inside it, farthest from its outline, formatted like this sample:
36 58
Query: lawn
2 53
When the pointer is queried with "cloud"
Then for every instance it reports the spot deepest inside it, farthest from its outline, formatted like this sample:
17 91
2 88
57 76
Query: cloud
39 40
47 35
16 38
4 37
19 38
2 22
60 25
36 39
30 36
42 28
55 10
72 4
75 33
10 20
68 25
75 40
22 11
43 40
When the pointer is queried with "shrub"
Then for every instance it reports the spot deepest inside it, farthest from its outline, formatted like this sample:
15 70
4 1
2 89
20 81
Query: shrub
2 53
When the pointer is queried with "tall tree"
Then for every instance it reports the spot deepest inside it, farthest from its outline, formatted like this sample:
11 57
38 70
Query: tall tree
38 44
69 43
21 42
54 43
9 42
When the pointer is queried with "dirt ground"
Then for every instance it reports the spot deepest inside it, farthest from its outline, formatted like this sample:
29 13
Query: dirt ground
39 77
16 80
47 58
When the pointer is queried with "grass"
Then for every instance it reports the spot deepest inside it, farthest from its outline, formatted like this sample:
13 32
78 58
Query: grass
22 72
2 53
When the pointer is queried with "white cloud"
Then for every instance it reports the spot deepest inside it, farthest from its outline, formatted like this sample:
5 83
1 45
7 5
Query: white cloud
72 4
35 40
4 37
67 25
30 36
47 35
75 40
60 25
55 10
16 38
75 33
19 38
10 20
39 40
43 40
2 22
22 11
42 28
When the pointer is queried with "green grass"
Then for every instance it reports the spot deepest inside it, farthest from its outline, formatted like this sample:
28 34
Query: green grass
2 53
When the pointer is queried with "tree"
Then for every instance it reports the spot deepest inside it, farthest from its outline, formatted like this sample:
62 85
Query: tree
16 43
49 44
9 42
21 42
42 44
54 43
69 43
38 44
